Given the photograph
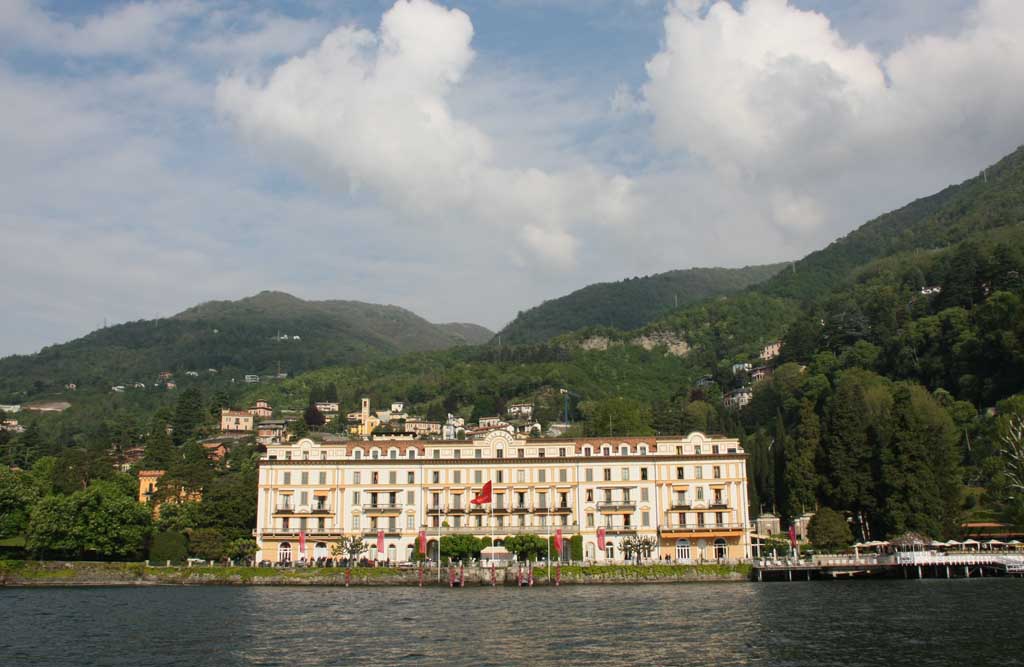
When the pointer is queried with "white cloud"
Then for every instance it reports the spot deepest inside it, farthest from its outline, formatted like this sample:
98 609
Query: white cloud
774 97
374 110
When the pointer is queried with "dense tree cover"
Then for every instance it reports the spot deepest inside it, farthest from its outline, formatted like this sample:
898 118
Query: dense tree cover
629 304
234 338
828 530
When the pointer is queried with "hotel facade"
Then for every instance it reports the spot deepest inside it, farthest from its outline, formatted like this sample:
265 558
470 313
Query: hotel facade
689 493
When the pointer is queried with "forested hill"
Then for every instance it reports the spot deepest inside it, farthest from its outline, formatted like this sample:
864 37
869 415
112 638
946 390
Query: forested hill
630 303
254 335
992 200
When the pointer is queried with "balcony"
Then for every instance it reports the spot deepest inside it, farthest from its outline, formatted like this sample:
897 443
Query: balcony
436 509
616 506
457 510
388 532
284 509
681 507
310 532
520 509
719 504
321 509
562 509
620 530
382 508
677 527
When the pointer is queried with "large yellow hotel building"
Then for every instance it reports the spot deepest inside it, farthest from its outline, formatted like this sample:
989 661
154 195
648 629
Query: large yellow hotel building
687 492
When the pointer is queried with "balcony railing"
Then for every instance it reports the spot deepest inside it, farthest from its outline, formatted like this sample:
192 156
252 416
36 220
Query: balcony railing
388 532
677 526
681 506
520 508
719 504
321 509
616 506
620 530
310 532
284 509
382 508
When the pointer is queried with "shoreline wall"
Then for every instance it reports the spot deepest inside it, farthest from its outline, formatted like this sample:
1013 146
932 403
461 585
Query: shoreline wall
59 573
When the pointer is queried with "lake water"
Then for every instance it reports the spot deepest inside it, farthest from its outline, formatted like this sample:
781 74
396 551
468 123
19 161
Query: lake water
928 622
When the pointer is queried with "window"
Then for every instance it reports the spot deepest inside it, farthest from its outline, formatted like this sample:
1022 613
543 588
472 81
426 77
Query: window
700 471
435 477
359 454
714 449
607 474
478 476
323 456
303 523
411 453
542 500
645 519
696 450
521 453
457 453
286 477
305 455
457 477
320 525
719 518
606 451
323 476
305 477
625 474
478 453
590 520
284 551
284 524
357 477
561 451
700 493
520 475
501 476
590 495
590 475
563 475
624 450
716 472
392 477
410 497
587 451
522 519
643 450
500 453
643 473
410 522
392 453
355 522
355 497
287 456
410 477
542 475
374 453
303 498
721 550
437 453
679 450
644 497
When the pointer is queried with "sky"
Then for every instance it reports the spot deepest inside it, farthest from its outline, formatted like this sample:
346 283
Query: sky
466 159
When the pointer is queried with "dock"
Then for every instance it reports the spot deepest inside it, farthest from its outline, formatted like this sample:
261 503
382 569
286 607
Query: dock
905 565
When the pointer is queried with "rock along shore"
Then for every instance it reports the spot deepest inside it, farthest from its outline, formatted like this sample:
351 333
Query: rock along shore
59 573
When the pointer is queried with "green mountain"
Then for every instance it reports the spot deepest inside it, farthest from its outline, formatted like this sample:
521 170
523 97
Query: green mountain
630 303
262 334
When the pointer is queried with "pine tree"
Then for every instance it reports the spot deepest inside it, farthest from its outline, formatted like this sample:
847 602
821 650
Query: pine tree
801 478
160 452
188 415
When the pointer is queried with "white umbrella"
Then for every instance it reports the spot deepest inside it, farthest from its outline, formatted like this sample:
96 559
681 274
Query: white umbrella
952 543
971 542
936 544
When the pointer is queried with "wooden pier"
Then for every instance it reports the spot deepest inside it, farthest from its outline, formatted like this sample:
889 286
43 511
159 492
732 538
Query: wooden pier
905 565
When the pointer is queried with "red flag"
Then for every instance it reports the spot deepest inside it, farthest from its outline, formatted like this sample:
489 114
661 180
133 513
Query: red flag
423 542
600 539
484 496
792 536
558 541
302 543
380 541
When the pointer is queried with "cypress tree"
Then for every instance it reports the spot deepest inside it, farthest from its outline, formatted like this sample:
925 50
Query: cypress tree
846 453
801 478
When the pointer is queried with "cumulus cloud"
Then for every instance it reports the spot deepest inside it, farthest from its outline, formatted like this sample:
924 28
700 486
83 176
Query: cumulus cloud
777 101
373 110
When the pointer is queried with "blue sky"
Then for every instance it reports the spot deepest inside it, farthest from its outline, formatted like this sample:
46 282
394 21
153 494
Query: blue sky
466 160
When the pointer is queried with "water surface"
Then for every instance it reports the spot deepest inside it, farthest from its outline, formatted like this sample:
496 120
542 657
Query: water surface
929 622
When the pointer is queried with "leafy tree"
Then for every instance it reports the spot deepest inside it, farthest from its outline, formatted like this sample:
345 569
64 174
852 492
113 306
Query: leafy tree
351 547
207 543
99 522
527 546
313 417
180 517
618 416
168 545
242 548
461 547
829 531
18 494
77 468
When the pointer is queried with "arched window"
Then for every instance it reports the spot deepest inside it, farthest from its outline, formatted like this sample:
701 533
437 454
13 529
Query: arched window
392 553
374 453
682 549
358 454
587 451
392 453
609 551
320 550
411 453
590 551
643 450
721 549
606 451
284 552
623 450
